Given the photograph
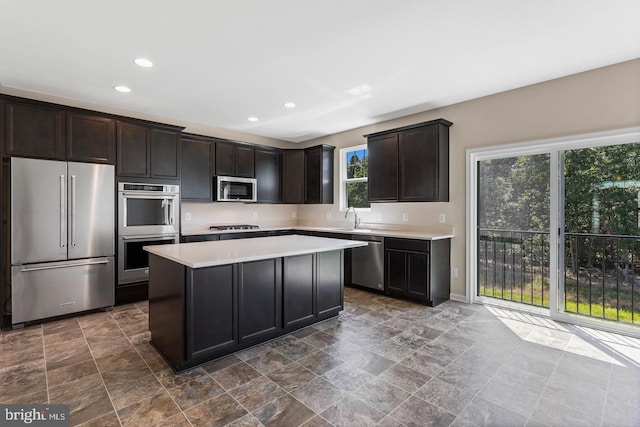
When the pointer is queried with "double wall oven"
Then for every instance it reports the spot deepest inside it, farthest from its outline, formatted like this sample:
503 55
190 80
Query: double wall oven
148 214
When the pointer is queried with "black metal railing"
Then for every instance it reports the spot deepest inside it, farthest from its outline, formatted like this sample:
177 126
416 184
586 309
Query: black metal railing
513 265
602 276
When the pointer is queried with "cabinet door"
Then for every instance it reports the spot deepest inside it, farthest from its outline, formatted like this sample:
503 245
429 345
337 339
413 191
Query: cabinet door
330 283
211 318
196 172
260 299
225 161
313 175
299 290
396 272
33 130
244 161
267 165
383 168
293 176
132 149
417 275
165 154
418 165
91 138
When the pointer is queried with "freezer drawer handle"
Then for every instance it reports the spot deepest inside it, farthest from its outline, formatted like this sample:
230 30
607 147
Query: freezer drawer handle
49 267
148 237
73 210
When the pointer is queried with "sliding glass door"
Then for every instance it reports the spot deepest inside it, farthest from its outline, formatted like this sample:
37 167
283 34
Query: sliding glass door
555 226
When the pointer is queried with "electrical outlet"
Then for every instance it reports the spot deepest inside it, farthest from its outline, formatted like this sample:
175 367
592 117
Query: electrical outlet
328 215
405 217
254 215
293 214
379 217
442 218
187 216
454 272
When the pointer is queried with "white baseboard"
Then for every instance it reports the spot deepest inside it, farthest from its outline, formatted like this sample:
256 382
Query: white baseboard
457 297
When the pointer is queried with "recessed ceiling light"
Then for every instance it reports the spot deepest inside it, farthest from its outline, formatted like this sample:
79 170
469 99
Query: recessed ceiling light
290 105
253 119
123 89
143 62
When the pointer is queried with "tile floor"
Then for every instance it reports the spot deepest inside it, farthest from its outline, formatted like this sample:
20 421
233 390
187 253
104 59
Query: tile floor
382 361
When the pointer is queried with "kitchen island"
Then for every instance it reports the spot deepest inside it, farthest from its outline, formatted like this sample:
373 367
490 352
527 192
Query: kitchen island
209 299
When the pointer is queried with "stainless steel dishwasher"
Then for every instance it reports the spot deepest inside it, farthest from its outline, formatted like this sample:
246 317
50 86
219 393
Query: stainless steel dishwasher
367 263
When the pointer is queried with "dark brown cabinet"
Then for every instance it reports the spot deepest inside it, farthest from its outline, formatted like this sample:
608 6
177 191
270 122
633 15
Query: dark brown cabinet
196 179
267 166
293 176
259 299
383 168
91 138
318 174
299 291
410 164
211 320
148 150
43 130
234 160
418 269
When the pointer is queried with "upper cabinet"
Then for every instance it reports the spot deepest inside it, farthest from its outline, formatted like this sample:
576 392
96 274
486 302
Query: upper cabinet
410 164
318 163
234 160
91 138
267 166
148 150
197 159
43 130
293 176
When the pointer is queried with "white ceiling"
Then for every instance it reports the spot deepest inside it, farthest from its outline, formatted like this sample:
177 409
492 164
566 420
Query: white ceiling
219 62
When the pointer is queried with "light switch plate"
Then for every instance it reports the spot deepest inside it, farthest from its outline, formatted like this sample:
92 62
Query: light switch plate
442 218
328 215
187 216
405 217
379 217
293 214
254 215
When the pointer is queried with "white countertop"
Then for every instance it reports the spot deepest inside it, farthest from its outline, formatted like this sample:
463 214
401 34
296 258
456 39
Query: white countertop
421 235
209 254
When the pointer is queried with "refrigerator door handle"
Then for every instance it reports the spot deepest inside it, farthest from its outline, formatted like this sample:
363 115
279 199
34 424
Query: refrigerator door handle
63 216
75 264
73 210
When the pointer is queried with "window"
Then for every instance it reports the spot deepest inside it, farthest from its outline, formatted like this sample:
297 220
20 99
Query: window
354 190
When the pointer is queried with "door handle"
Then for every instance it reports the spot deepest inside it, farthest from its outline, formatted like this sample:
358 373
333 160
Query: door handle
62 214
73 210
51 267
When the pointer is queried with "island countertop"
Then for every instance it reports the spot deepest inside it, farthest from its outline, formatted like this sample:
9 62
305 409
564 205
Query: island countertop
209 254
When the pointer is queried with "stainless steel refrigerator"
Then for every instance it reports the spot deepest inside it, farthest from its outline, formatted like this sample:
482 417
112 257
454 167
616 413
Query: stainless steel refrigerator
62 238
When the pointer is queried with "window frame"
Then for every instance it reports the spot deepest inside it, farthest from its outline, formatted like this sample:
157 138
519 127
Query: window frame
344 180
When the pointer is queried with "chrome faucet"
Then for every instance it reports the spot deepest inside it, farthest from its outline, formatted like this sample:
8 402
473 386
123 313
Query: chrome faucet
356 221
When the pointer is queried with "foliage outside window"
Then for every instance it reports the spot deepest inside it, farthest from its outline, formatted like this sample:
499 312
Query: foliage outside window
355 167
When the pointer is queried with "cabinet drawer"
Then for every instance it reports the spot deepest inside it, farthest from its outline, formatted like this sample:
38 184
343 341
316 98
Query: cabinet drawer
407 245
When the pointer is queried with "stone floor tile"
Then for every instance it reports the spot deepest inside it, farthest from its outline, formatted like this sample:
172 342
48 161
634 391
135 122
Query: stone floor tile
219 411
70 373
235 375
284 411
256 393
484 413
292 376
405 378
348 377
351 411
381 395
318 394
268 362
445 396
509 396
124 394
221 363
149 411
417 412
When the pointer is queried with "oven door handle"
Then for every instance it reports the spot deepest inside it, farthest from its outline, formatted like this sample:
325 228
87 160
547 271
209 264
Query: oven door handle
156 237
167 196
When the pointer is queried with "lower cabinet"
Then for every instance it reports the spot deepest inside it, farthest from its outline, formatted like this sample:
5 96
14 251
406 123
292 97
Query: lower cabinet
259 299
418 269
211 324
299 294
196 315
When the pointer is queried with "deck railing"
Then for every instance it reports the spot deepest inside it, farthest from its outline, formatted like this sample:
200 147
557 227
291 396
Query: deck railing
601 271
513 265
602 276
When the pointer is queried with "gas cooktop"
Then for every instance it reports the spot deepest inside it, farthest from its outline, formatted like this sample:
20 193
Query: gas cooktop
233 227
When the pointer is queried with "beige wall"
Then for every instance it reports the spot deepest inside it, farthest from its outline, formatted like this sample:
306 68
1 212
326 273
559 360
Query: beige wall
603 99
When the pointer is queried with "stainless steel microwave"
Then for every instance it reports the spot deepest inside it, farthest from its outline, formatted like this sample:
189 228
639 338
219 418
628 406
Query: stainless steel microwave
235 189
